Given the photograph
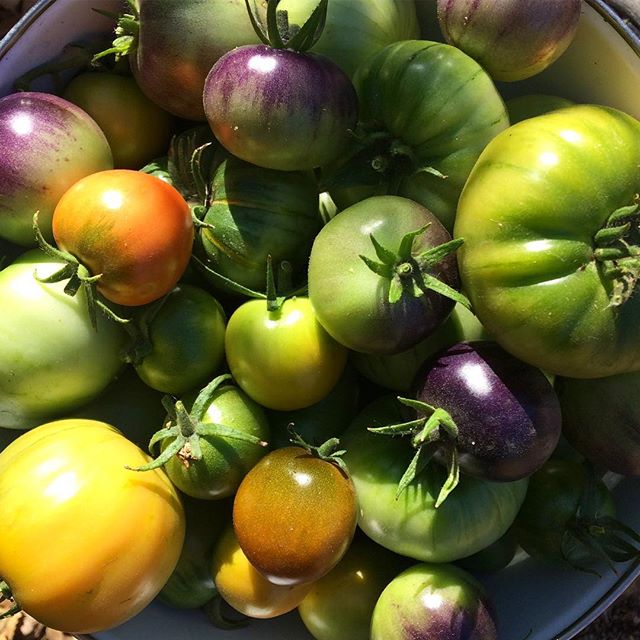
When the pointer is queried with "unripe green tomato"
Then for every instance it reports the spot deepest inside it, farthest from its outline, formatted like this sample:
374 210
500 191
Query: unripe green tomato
187 338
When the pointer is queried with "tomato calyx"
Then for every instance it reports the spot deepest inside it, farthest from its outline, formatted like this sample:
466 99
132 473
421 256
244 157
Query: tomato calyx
279 34
591 536
126 31
409 273
185 428
328 451
434 430
6 594
617 250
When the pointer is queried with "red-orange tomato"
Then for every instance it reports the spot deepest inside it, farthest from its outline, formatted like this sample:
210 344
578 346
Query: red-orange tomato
133 228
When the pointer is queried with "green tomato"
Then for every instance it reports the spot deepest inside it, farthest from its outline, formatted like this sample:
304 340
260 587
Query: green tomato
358 579
283 359
472 517
225 459
356 29
548 260
434 601
431 110
255 213
186 336
52 360
370 310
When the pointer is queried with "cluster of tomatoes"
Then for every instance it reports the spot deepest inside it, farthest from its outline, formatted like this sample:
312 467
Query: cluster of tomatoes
346 298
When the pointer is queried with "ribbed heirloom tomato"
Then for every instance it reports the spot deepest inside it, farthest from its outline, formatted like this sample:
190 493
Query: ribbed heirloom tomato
86 543
133 229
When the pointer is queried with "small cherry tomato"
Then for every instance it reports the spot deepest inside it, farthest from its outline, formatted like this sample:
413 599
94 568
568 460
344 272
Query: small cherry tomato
132 229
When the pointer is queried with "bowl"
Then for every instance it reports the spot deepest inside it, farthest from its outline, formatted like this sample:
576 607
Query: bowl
534 601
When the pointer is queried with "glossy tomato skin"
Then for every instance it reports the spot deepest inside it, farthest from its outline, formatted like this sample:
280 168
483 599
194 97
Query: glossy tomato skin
438 102
137 129
280 109
187 341
352 301
52 361
225 460
529 214
49 144
474 515
358 579
294 515
117 535
601 420
243 587
506 411
434 601
133 228
282 359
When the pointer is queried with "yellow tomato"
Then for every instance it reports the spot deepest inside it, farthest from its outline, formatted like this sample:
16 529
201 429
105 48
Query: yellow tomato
242 586
86 543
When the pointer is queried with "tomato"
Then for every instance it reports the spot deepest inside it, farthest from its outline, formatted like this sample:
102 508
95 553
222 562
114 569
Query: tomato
385 300
426 111
474 515
431 601
86 543
568 516
358 579
131 228
176 43
294 515
283 359
52 360
137 129
355 29
244 588
325 419
280 108
543 216
50 144
185 341
226 457
254 213
600 419
191 584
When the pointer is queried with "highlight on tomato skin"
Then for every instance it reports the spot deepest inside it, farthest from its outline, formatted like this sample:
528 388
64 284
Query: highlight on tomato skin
86 543
131 229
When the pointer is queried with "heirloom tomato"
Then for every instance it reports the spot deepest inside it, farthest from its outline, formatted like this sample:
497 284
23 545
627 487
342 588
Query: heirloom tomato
132 229
52 360
86 543
549 218
294 515
282 358
474 516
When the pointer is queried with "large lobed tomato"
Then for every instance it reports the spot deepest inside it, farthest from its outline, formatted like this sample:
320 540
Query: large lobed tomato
132 229
86 543
549 218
